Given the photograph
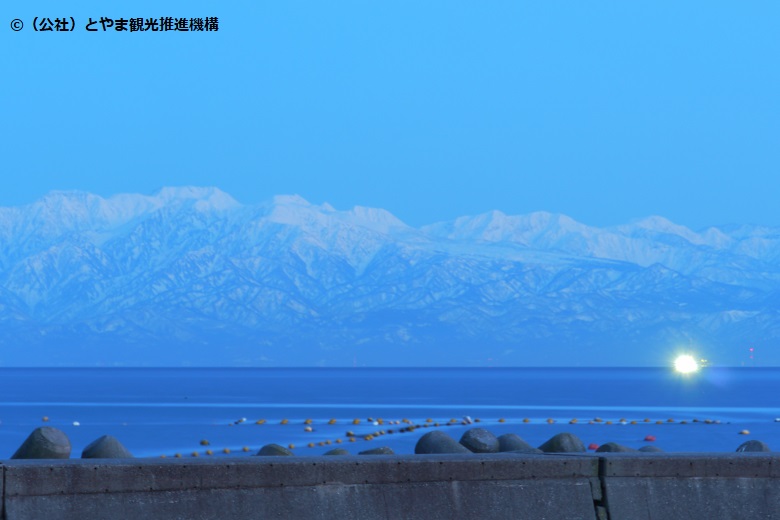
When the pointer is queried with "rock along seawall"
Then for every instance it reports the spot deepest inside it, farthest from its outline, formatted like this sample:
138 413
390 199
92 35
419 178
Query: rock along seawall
471 486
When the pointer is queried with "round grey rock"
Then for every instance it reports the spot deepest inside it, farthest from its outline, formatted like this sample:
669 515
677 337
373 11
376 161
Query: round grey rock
651 449
513 442
479 440
337 451
44 443
106 447
753 446
614 447
273 450
384 450
438 442
563 443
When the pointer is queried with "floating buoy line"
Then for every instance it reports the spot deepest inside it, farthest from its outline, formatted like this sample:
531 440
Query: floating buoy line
329 428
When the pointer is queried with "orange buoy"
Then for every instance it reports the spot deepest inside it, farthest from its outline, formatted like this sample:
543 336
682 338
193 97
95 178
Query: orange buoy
593 446
650 438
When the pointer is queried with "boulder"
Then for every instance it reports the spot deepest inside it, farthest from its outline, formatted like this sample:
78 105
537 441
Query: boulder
273 450
613 447
563 443
479 440
753 446
337 451
438 442
106 447
513 442
383 450
44 443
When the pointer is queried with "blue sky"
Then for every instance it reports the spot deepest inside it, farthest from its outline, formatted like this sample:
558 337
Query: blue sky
605 111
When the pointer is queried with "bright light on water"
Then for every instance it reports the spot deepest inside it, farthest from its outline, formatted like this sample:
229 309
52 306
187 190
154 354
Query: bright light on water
686 364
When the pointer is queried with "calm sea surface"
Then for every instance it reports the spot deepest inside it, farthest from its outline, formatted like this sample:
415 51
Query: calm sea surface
167 411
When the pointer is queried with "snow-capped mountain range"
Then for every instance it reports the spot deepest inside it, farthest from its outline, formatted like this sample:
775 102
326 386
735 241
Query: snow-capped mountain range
189 276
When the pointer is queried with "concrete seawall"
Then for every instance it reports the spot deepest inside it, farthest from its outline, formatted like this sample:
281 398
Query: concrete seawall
556 487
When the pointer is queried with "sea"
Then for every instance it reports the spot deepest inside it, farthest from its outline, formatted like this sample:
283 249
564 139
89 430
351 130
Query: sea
233 412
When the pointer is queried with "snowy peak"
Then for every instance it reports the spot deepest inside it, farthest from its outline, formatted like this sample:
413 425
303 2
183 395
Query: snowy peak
496 226
378 219
294 210
202 199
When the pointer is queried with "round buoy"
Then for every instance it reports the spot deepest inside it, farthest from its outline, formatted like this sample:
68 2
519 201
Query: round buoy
45 418
550 420
573 421
244 449
307 421
284 421
226 450
744 432
260 421
209 452
650 438
356 421
593 446
76 423
501 420
177 455
308 429
291 446
195 454
332 421
526 420
204 442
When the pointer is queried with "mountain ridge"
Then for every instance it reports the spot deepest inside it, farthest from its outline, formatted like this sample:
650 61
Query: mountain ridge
189 275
